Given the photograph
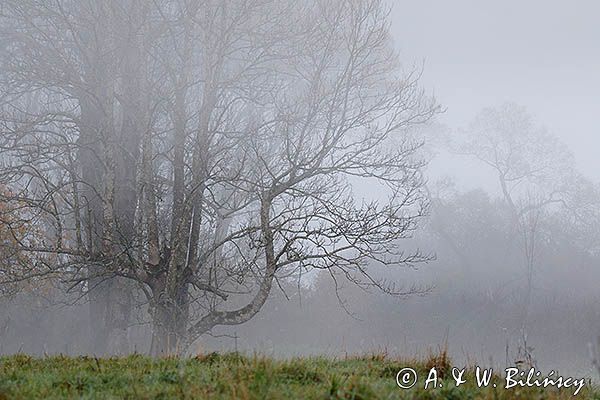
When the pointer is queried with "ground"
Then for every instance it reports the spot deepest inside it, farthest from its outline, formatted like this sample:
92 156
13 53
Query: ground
233 376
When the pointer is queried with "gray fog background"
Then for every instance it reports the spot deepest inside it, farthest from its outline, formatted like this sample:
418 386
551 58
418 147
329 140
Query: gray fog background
543 54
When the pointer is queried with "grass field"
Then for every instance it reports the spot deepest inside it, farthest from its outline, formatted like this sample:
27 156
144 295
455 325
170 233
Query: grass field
232 376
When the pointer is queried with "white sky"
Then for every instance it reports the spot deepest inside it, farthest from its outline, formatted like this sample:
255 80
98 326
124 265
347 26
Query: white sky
543 54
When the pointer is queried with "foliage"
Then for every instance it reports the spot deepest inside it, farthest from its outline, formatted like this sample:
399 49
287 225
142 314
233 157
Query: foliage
16 231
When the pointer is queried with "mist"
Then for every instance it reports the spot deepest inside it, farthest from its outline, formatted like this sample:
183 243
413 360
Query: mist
186 177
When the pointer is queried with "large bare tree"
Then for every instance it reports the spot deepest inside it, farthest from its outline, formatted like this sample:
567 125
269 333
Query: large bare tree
196 152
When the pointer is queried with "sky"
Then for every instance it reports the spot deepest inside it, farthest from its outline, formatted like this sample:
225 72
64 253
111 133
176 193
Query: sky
543 54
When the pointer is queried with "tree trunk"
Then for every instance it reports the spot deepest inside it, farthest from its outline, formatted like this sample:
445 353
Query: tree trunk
91 171
98 295
169 324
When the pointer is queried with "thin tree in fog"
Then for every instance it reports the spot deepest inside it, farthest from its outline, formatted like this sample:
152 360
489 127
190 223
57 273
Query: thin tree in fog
534 171
196 153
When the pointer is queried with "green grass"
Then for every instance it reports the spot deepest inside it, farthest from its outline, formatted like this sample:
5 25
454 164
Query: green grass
232 376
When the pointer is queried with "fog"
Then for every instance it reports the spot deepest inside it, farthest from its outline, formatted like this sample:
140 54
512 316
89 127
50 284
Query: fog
541 54
188 177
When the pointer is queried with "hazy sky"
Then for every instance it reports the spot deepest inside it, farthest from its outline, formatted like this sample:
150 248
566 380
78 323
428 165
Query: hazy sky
543 54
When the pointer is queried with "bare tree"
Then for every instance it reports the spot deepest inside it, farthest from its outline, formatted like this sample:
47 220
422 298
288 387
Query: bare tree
199 152
71 135
535 173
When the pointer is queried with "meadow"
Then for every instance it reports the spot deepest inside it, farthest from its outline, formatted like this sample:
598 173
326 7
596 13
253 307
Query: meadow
236 376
